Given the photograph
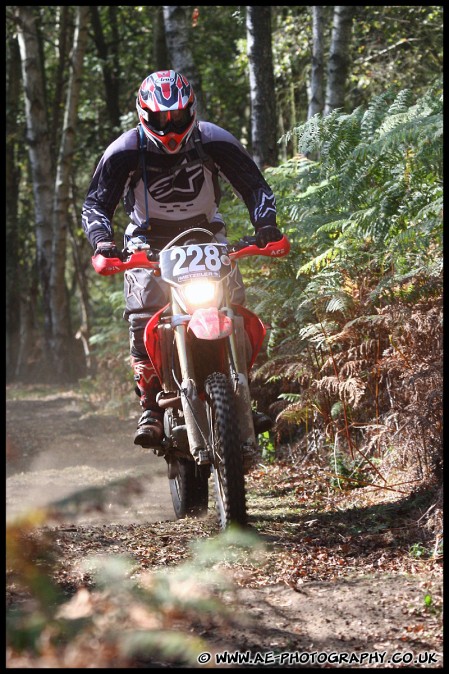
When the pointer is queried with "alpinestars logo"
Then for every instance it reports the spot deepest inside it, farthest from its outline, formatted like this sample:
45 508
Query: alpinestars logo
184 185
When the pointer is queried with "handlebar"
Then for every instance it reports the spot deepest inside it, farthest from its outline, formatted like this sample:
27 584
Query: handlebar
149 259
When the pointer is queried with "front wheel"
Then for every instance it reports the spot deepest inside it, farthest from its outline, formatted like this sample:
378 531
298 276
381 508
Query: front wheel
188 488
227 465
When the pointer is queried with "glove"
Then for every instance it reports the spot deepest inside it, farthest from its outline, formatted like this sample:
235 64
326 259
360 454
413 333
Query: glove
108 249
267 234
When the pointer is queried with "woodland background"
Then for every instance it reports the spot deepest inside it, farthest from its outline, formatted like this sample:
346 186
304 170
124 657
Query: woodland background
342 108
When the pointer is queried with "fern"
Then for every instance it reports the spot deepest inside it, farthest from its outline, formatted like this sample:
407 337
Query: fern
318 262
373 117
365 222
401 103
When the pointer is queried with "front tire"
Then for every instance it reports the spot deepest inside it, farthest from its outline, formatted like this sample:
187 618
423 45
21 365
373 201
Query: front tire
189 488
227 465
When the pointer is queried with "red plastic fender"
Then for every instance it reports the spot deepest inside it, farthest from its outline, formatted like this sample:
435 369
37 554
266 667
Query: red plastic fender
210 324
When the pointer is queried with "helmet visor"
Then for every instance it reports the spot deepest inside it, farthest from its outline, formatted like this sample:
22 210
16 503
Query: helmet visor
178 119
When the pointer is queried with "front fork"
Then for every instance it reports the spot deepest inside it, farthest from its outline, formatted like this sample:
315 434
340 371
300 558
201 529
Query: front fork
193 407
238 370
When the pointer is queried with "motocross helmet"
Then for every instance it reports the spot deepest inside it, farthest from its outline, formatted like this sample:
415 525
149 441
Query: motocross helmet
166 106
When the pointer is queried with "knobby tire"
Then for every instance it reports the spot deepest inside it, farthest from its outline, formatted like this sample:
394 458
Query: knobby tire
189 489
227 467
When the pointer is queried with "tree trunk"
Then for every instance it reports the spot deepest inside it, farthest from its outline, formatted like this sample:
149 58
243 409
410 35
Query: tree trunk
316 103
63 45
61 335
14 279
339 58
261 79
27 353
178 23
110 79
38 139
84 331
160 54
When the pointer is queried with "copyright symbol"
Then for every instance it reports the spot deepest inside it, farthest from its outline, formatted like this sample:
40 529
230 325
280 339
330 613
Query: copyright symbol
203 658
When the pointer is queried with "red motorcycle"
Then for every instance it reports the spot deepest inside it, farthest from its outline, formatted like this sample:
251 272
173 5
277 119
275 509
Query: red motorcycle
202 348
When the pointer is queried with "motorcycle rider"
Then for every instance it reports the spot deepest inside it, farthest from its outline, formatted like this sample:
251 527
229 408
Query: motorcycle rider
166 170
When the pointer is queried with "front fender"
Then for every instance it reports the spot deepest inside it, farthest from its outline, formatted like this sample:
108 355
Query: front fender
210 324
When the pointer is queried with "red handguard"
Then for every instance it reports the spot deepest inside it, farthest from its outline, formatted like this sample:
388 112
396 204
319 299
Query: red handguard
106 266
272 249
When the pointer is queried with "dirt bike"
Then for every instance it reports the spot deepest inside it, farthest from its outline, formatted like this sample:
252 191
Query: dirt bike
202 347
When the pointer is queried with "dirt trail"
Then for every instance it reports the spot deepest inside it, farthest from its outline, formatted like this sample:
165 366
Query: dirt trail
55 449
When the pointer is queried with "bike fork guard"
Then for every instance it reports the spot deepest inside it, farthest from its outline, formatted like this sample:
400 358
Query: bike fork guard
196 421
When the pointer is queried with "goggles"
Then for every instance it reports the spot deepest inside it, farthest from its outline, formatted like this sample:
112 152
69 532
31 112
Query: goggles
178 119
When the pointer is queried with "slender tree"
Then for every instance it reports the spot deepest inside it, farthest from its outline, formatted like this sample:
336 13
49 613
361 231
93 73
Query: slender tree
339 58
261 81
61 332
178 23
14 279
160 54
62 48
316 97
39 149
108 55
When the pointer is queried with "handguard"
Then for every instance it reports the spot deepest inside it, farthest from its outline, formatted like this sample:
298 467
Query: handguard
272 249
107 266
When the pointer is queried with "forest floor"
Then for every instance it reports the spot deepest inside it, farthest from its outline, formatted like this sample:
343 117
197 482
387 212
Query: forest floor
101 575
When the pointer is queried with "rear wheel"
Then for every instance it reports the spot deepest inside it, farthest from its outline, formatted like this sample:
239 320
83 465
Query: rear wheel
188 488
227 465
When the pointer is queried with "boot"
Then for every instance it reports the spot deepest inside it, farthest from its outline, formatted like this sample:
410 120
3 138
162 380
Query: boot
262 422
150 430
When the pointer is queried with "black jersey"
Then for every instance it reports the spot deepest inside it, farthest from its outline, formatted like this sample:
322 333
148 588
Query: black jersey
182 188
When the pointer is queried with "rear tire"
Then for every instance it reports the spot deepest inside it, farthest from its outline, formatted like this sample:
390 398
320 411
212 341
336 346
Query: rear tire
189 488
227 465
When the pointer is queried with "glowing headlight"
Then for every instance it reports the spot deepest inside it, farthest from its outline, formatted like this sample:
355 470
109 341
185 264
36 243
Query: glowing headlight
199 292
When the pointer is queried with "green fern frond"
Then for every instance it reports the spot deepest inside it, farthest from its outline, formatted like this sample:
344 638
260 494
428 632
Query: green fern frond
401 103
333 227
309 135
319 261
290 397
295 413
434 208
339 303
373 117
364 322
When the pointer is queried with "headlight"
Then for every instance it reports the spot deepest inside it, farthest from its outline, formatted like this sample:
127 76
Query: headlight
199 293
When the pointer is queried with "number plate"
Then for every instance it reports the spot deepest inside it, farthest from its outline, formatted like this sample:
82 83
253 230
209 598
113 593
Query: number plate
201 260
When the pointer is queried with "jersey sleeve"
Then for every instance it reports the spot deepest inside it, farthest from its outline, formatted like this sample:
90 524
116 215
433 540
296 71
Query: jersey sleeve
107 187
238 168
